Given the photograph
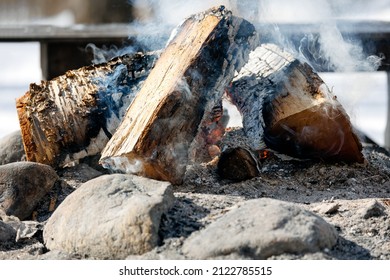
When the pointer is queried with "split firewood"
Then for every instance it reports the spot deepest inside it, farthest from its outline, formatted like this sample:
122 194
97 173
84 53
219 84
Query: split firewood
288 108
187 81
74 115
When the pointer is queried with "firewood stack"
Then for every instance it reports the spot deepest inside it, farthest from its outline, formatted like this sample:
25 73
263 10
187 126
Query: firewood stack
153 118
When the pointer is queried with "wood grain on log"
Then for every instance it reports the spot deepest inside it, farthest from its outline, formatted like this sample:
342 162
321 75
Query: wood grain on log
74 115
188 80
287 106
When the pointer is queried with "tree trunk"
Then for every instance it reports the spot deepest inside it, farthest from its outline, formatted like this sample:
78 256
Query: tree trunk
74 115
187 82
287 107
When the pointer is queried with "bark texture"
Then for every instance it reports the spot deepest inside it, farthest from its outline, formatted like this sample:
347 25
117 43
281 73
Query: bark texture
74 115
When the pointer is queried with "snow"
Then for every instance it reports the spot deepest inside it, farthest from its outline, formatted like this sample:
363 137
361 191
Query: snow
20 66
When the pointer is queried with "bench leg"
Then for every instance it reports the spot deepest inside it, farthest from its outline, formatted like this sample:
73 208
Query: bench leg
387 130
58 57
44 61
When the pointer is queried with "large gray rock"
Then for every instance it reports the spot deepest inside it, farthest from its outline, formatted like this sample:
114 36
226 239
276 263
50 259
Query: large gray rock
11 148
7 232
23 185
110 217
260 229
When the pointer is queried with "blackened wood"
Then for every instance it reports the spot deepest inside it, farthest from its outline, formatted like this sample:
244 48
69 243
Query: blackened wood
238 164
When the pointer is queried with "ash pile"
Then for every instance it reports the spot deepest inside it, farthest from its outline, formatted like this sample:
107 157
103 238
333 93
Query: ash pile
132 158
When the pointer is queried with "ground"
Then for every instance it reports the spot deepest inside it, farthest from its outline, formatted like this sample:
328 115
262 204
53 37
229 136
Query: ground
342 194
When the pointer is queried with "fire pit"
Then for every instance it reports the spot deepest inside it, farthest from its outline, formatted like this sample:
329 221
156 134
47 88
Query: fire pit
159 116
285 105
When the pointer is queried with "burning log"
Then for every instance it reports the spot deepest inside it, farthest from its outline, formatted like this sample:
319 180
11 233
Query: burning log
187 82
287 106
205 146
74 115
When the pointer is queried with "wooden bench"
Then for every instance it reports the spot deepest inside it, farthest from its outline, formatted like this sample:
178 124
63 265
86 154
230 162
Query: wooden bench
64 48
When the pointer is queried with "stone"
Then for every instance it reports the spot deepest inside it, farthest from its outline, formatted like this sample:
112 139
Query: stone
11 148
58 255
110 217
9 220
27 230
7 232
23 185
24 230
83 172
372 209
327 208
259 229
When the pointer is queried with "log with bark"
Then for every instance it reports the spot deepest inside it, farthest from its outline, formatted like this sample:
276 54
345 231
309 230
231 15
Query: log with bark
187 81
74 115
288 108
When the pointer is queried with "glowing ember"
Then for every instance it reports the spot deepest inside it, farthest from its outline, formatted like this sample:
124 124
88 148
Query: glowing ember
264 154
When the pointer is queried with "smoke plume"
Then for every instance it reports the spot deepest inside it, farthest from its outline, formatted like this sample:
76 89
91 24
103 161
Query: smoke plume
154 19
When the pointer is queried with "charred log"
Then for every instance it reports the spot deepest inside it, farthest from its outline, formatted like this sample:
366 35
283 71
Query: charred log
187 82
287 107
238 164
74 115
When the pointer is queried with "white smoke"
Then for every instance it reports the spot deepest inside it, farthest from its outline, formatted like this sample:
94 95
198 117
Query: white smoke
171 13
323 41
326 43
336 52
153 21
343 55
105 53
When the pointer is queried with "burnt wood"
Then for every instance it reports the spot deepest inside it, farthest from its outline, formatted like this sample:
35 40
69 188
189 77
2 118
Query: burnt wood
238 164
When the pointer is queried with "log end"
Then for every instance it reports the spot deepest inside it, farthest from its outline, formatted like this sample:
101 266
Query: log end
37 153
323 131
25 126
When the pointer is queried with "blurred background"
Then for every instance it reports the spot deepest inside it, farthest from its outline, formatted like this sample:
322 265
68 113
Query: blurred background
117 24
